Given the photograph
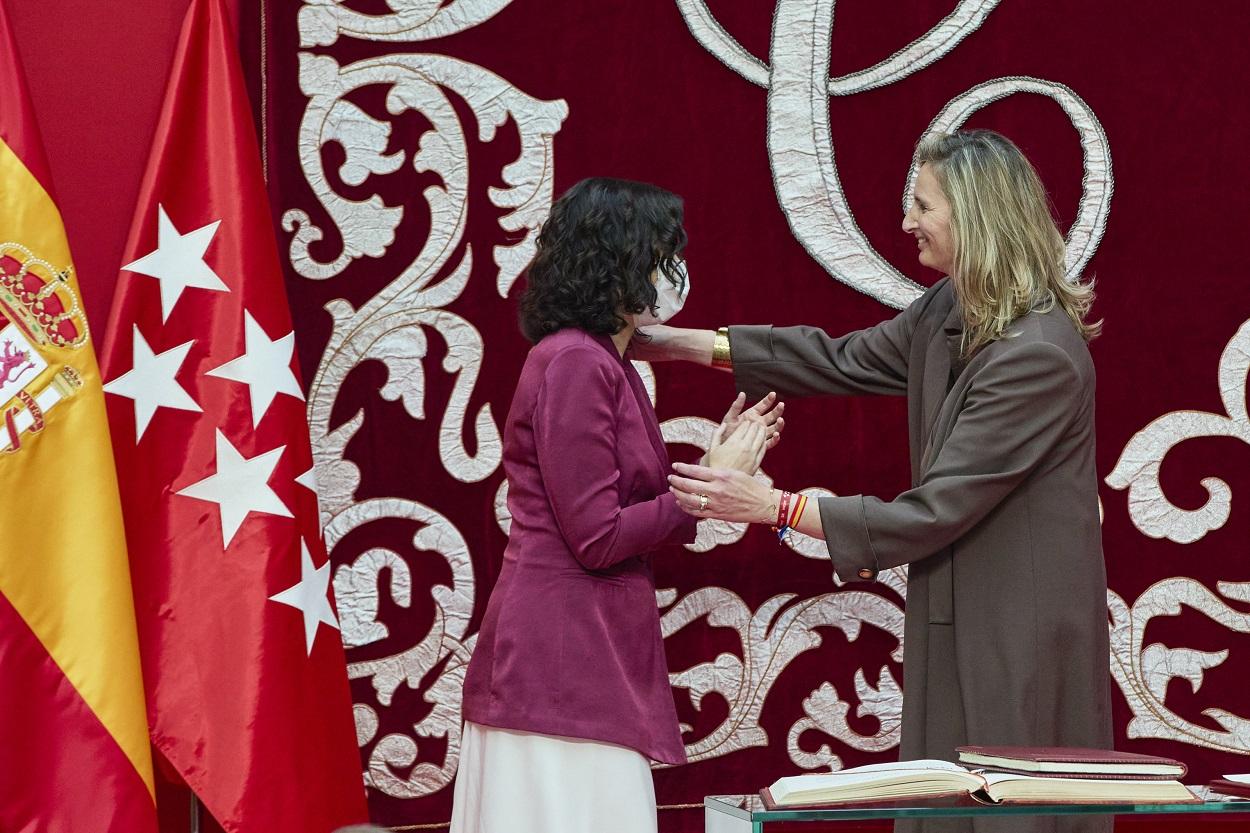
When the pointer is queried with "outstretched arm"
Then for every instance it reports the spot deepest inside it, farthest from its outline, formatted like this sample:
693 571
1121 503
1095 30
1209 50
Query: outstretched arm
663 343
806 361
1015 417
800 361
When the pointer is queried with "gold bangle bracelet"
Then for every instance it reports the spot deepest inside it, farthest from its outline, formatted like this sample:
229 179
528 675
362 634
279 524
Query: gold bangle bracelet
721 356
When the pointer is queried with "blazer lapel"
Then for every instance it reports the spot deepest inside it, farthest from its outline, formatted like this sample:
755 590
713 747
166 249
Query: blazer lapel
941 356
646 411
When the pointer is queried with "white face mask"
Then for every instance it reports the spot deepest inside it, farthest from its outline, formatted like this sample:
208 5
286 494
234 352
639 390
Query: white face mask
668 300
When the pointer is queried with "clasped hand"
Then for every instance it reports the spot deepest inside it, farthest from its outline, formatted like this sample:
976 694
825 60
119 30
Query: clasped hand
722 485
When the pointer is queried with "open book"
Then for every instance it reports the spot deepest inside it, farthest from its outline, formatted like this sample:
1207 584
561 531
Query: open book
926 780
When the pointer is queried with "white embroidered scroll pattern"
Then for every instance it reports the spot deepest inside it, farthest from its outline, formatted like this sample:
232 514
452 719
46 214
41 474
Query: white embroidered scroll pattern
1144 671
1138 467
800 143
394 327
771 637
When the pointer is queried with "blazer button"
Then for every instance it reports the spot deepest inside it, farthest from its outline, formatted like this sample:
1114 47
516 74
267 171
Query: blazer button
866 573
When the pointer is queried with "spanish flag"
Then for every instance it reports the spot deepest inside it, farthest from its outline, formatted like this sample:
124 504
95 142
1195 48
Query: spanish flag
74 750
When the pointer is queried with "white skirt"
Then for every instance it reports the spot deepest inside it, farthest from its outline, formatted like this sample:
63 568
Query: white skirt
521 782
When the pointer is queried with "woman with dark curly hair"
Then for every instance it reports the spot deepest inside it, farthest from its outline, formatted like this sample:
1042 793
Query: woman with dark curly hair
567 697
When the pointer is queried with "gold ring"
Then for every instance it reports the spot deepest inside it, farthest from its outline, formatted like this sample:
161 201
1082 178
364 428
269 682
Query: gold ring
702 503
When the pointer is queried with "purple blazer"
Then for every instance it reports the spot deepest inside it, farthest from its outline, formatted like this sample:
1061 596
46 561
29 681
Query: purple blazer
570 644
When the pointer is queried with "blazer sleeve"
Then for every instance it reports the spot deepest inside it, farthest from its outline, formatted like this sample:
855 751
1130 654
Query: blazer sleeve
1016 412
805 361
575 438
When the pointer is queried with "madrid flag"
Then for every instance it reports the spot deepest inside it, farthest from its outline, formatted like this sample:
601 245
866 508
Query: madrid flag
74 751
242 658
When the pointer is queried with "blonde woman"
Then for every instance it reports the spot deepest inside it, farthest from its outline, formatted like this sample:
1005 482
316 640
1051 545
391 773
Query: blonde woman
1006 626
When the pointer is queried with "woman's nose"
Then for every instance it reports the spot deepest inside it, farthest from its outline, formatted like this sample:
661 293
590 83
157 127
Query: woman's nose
908 223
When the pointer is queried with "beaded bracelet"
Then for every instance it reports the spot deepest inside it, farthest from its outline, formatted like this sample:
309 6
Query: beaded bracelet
783 512
793 521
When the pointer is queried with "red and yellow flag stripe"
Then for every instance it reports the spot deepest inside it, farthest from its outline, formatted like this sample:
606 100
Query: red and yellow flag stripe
74 749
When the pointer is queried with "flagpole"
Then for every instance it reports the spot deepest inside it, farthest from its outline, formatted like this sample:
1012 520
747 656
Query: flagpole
195 814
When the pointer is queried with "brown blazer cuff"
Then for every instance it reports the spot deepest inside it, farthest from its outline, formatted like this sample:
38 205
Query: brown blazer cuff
846 536
751 349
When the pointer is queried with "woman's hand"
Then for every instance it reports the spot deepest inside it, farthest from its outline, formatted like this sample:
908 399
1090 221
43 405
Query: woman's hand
742 450
767 412
726 494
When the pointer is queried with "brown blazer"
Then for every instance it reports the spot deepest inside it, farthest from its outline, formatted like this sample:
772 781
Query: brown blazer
1006 627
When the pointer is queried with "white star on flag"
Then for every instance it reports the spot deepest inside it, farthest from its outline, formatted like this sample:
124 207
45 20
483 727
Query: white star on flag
239 486
178 261
310 596
265 367
151 382
308 480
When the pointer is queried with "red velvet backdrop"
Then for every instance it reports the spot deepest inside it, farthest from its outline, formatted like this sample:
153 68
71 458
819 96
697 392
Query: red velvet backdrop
646 100
97 74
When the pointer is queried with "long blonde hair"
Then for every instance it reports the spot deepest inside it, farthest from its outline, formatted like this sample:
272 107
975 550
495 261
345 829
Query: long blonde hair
1008 251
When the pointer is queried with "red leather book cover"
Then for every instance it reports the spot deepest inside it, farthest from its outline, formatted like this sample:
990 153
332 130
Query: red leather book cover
1237 789
1069 761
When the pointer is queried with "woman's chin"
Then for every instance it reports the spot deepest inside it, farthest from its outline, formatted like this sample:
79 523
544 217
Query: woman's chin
929 263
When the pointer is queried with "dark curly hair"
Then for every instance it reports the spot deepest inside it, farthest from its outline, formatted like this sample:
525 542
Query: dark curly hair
596 254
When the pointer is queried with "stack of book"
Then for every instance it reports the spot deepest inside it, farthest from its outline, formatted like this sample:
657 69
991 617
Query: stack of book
993 775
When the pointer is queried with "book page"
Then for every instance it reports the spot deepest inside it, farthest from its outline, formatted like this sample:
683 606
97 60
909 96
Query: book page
901 778
1069 784
923 764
